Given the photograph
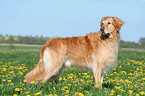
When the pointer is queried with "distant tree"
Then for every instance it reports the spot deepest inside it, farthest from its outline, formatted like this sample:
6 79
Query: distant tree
7 35
11 40
1 37
142 41
42 36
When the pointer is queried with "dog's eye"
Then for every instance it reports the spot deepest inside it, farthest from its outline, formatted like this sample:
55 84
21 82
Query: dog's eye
109 22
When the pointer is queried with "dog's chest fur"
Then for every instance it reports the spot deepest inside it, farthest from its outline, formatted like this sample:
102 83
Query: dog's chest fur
108 55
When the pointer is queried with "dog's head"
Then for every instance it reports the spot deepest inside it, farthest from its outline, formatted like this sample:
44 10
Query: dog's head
110 24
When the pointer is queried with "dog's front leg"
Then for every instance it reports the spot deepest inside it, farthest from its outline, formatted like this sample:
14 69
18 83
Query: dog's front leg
97 72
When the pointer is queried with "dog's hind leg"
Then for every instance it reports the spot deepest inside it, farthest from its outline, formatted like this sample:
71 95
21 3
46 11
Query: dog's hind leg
53 63
59 73
56 72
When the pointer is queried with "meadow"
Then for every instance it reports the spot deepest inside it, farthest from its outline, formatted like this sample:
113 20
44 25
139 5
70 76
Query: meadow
127 79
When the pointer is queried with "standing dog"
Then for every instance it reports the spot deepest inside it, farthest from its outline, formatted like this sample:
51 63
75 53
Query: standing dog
97 51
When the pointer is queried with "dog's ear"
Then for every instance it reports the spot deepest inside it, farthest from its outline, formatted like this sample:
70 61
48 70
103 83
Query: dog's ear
118 23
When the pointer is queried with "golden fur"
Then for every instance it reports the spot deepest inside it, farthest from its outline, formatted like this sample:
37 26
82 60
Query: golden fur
97 51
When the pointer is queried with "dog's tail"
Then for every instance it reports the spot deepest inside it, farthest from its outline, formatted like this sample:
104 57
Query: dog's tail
35 74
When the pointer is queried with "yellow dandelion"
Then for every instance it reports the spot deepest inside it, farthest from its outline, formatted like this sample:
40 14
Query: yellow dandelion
65 87
76 94
97 86
112 91
3 80
38 93
142 78
60 79
69 84
27 92
50 83
142 93
4 69
137 95
50 95
62 89
81 94
67 91
126 81
130 91
75 85
15 95
105 91
87 91
111 94
17 89
11 83
81 80
99 81
33 82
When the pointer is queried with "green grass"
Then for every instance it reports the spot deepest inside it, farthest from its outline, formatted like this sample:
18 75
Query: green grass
11 48
127 79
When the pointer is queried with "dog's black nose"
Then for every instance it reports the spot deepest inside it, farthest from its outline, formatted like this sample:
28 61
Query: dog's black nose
102 29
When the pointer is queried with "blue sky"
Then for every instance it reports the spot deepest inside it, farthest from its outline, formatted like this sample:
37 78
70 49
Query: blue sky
67 18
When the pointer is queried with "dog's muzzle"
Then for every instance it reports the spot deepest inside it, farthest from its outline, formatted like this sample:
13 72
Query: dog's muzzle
103 32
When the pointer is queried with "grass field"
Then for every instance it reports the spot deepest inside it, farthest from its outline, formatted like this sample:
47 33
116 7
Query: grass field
127 79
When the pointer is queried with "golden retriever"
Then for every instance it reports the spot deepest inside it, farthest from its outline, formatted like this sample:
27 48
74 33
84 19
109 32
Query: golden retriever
97 51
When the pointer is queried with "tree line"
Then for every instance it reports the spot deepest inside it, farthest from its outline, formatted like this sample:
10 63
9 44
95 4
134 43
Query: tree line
23 39
41 40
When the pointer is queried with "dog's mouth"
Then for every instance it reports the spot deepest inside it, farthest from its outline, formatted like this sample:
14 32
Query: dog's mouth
105 34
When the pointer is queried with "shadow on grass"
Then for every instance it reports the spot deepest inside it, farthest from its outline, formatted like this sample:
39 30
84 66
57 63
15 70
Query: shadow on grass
108 85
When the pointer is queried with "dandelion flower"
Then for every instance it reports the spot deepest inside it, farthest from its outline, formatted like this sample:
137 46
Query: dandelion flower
67 91
111 94
60 79
11 83
137 95
99 81
3 80
17 89
130 91
33 82
38 93
112 91
97 86
62 89
81 94
50 95
142 93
